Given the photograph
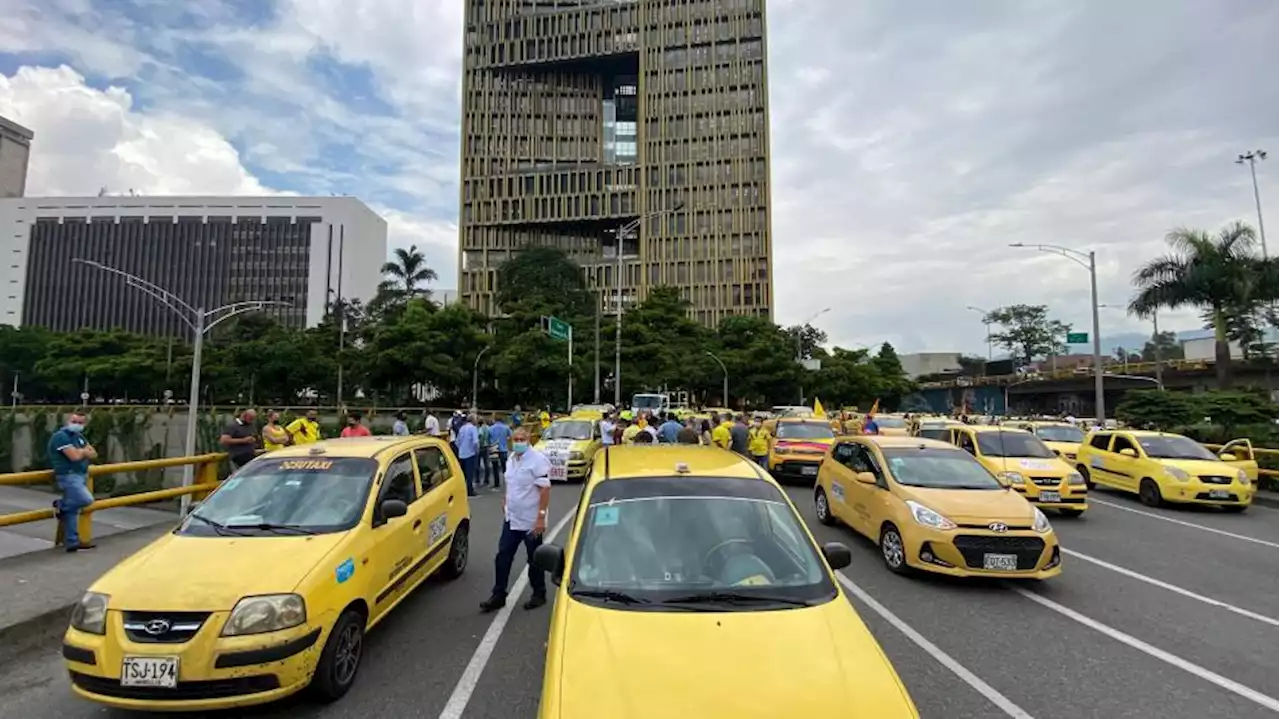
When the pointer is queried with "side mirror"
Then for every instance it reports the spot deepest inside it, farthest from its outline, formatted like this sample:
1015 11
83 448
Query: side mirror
550 559
837 555
1227 457
866 477
1129 452
392 508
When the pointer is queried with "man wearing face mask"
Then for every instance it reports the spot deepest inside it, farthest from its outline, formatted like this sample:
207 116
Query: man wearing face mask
69 453
524 506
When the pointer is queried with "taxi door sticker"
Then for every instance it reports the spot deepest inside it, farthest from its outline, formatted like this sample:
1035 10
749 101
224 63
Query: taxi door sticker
1096 462
345 570
1035 464
606 517
837 491
436 531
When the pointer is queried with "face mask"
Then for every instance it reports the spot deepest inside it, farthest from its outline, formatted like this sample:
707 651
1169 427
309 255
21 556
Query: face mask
75 427
520 447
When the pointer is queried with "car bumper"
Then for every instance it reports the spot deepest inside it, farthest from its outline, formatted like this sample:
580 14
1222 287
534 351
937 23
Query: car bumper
795 466
1202 493
213 672
959 552
1074 496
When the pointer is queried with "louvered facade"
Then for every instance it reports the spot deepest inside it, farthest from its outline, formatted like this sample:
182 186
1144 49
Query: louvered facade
581 117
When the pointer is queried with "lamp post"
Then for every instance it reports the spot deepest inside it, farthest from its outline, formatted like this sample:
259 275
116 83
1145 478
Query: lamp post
986 322
475 379
1155 341
799 349
199 321
1087 260
726 377
1253 157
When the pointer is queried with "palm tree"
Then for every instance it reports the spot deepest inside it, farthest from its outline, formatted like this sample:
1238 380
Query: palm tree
405 273
1220 275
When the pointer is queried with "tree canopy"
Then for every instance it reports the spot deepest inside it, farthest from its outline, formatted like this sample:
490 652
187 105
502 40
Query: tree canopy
1027 332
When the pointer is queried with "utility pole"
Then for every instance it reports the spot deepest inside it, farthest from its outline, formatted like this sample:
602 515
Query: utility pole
596 397
1252 157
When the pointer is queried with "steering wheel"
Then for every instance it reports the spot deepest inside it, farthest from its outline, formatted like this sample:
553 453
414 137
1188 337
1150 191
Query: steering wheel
708 560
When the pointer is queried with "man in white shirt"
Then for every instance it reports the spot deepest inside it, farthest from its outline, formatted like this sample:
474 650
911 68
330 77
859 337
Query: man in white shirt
524 506
606 430
432 425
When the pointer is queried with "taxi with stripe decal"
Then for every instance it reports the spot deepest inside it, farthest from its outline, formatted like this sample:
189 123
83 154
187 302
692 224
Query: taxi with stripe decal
798 446
268 586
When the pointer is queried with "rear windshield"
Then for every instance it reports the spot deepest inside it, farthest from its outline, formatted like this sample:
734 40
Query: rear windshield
1012 444
1060 433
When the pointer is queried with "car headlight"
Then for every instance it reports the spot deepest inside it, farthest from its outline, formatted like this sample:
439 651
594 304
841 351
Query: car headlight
1013 477
1041 523
1075 478
267 613
575 456
1176 473
1242 477
928 517
90 615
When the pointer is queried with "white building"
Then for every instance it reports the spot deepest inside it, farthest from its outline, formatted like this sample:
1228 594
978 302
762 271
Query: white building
15 151
920 364
210 251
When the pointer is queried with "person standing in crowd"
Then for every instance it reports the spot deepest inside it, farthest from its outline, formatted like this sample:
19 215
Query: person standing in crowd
869 425
644 436
739 437
482 457
544 418
630 430
721 436
669 432
758 443
305 429
524 507
401 426
606 429
69 455
240 439
469 452
517 418
273 435
500 439
705 436
689 433
455 424
355 428
430 425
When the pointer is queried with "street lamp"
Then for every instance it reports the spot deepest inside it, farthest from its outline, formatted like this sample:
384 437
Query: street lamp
623 231
726 377
200 321
1251 158
986 322
1155 340
475 379
799 349
1089 262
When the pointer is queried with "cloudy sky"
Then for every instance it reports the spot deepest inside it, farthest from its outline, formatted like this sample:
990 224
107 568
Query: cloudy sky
912 141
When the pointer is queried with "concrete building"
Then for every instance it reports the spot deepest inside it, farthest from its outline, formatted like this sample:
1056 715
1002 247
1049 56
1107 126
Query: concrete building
210 251
582 116
922 364
15 151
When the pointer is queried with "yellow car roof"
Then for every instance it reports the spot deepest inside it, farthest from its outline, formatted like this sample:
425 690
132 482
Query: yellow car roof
628 461
995 428
355 446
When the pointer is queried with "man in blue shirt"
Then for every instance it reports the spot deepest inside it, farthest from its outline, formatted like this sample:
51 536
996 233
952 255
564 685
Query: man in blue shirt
667 433
500 439
469 452
69 454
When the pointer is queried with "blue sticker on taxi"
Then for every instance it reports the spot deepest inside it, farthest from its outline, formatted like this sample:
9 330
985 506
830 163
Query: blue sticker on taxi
345 570
606 516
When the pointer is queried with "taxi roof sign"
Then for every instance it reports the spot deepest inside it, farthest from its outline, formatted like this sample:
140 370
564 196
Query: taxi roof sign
316 450
682 467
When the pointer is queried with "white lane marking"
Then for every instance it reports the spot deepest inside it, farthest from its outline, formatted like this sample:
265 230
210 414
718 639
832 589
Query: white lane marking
466 685
1172 588
932 650
1095 500
1232 686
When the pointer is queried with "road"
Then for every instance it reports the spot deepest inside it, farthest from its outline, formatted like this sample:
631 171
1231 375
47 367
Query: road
1158 613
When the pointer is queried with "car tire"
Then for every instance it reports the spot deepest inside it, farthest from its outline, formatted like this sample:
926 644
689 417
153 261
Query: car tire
340 661
822 507
893 551
1084 472
1149 493
459 552
1071 513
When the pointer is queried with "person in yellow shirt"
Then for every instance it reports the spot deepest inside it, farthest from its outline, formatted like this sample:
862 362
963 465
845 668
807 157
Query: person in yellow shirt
545 419
629 434
305 429
758 443
720 436
273 435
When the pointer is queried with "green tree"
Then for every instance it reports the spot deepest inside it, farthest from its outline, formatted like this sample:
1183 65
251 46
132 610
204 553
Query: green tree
1027 332
1168 344
663 348
807 338
422 344
847 378
893 381
760 357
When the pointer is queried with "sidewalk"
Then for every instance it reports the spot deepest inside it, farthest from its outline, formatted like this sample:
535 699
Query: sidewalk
35 536
40 588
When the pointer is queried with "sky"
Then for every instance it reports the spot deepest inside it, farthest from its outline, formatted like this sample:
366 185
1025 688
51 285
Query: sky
911 142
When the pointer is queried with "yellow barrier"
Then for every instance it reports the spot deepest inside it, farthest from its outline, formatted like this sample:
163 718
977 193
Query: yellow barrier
206 481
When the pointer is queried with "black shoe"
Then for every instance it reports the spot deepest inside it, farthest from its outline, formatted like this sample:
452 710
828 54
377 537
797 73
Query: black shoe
79 547
57 509
535 601
493 604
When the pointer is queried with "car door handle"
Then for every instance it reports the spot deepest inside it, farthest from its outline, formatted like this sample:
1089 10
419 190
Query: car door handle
417 523
451 499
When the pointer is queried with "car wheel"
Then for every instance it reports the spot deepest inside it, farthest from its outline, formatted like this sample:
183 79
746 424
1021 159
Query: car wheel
459 548
1084 472
1071 513
1149 493
822 507
892 550
340 660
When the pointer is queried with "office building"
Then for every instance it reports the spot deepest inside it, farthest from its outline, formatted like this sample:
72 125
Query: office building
210 251
15 151
581 116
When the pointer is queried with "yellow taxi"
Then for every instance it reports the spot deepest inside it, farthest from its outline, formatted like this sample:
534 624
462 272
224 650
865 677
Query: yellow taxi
1062 437
798 445
1021 460
1161 467
934 427
932 507
571 443
688 586
269 585
892 425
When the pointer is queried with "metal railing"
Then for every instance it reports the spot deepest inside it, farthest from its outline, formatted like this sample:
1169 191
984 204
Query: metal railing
1073 372
1273 454
206 481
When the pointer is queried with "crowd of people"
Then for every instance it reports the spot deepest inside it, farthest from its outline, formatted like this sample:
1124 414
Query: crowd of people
738 433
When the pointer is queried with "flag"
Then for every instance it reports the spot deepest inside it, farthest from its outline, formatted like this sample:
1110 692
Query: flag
875 407
817 408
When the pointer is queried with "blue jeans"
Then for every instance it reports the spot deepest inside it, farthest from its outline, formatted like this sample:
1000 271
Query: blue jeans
508 544
469 465
75 497
499 469
762 460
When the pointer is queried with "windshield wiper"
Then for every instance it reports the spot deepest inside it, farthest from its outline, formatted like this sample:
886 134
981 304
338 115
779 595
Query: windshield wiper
609 595
219 528
732 597
270 527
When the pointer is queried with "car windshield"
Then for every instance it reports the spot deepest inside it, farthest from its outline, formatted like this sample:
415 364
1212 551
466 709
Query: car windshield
1060 433
1012 444
646 401
695 543
939 433
891 422
937 468
574 429
1174 448
298 496
797 412
804 430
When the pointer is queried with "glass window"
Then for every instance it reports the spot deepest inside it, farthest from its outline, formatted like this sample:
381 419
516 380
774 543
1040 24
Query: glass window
1059 433
433 467
1012 444
1175 447
891 422
704 543
399 483
1100 441
574 429
804 430
937 468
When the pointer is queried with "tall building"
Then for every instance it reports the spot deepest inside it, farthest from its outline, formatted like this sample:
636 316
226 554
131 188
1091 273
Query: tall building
15 150
209 251
582 116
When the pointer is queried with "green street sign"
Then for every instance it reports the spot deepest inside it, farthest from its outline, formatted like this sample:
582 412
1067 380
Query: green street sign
1077 338
558 328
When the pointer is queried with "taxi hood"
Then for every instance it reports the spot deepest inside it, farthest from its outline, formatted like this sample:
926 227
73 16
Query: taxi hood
1202 467
186 573
975 506
1030 466
815 662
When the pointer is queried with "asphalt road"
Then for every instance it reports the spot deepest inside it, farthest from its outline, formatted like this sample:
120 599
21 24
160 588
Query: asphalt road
1158 613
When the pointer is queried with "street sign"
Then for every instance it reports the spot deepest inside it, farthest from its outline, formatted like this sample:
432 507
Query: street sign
84 396
1077 338
557 328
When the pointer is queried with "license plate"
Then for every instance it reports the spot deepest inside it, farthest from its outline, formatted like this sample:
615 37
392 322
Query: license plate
1050 497
1219 494
809 471
1002 562
559 471
149 672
